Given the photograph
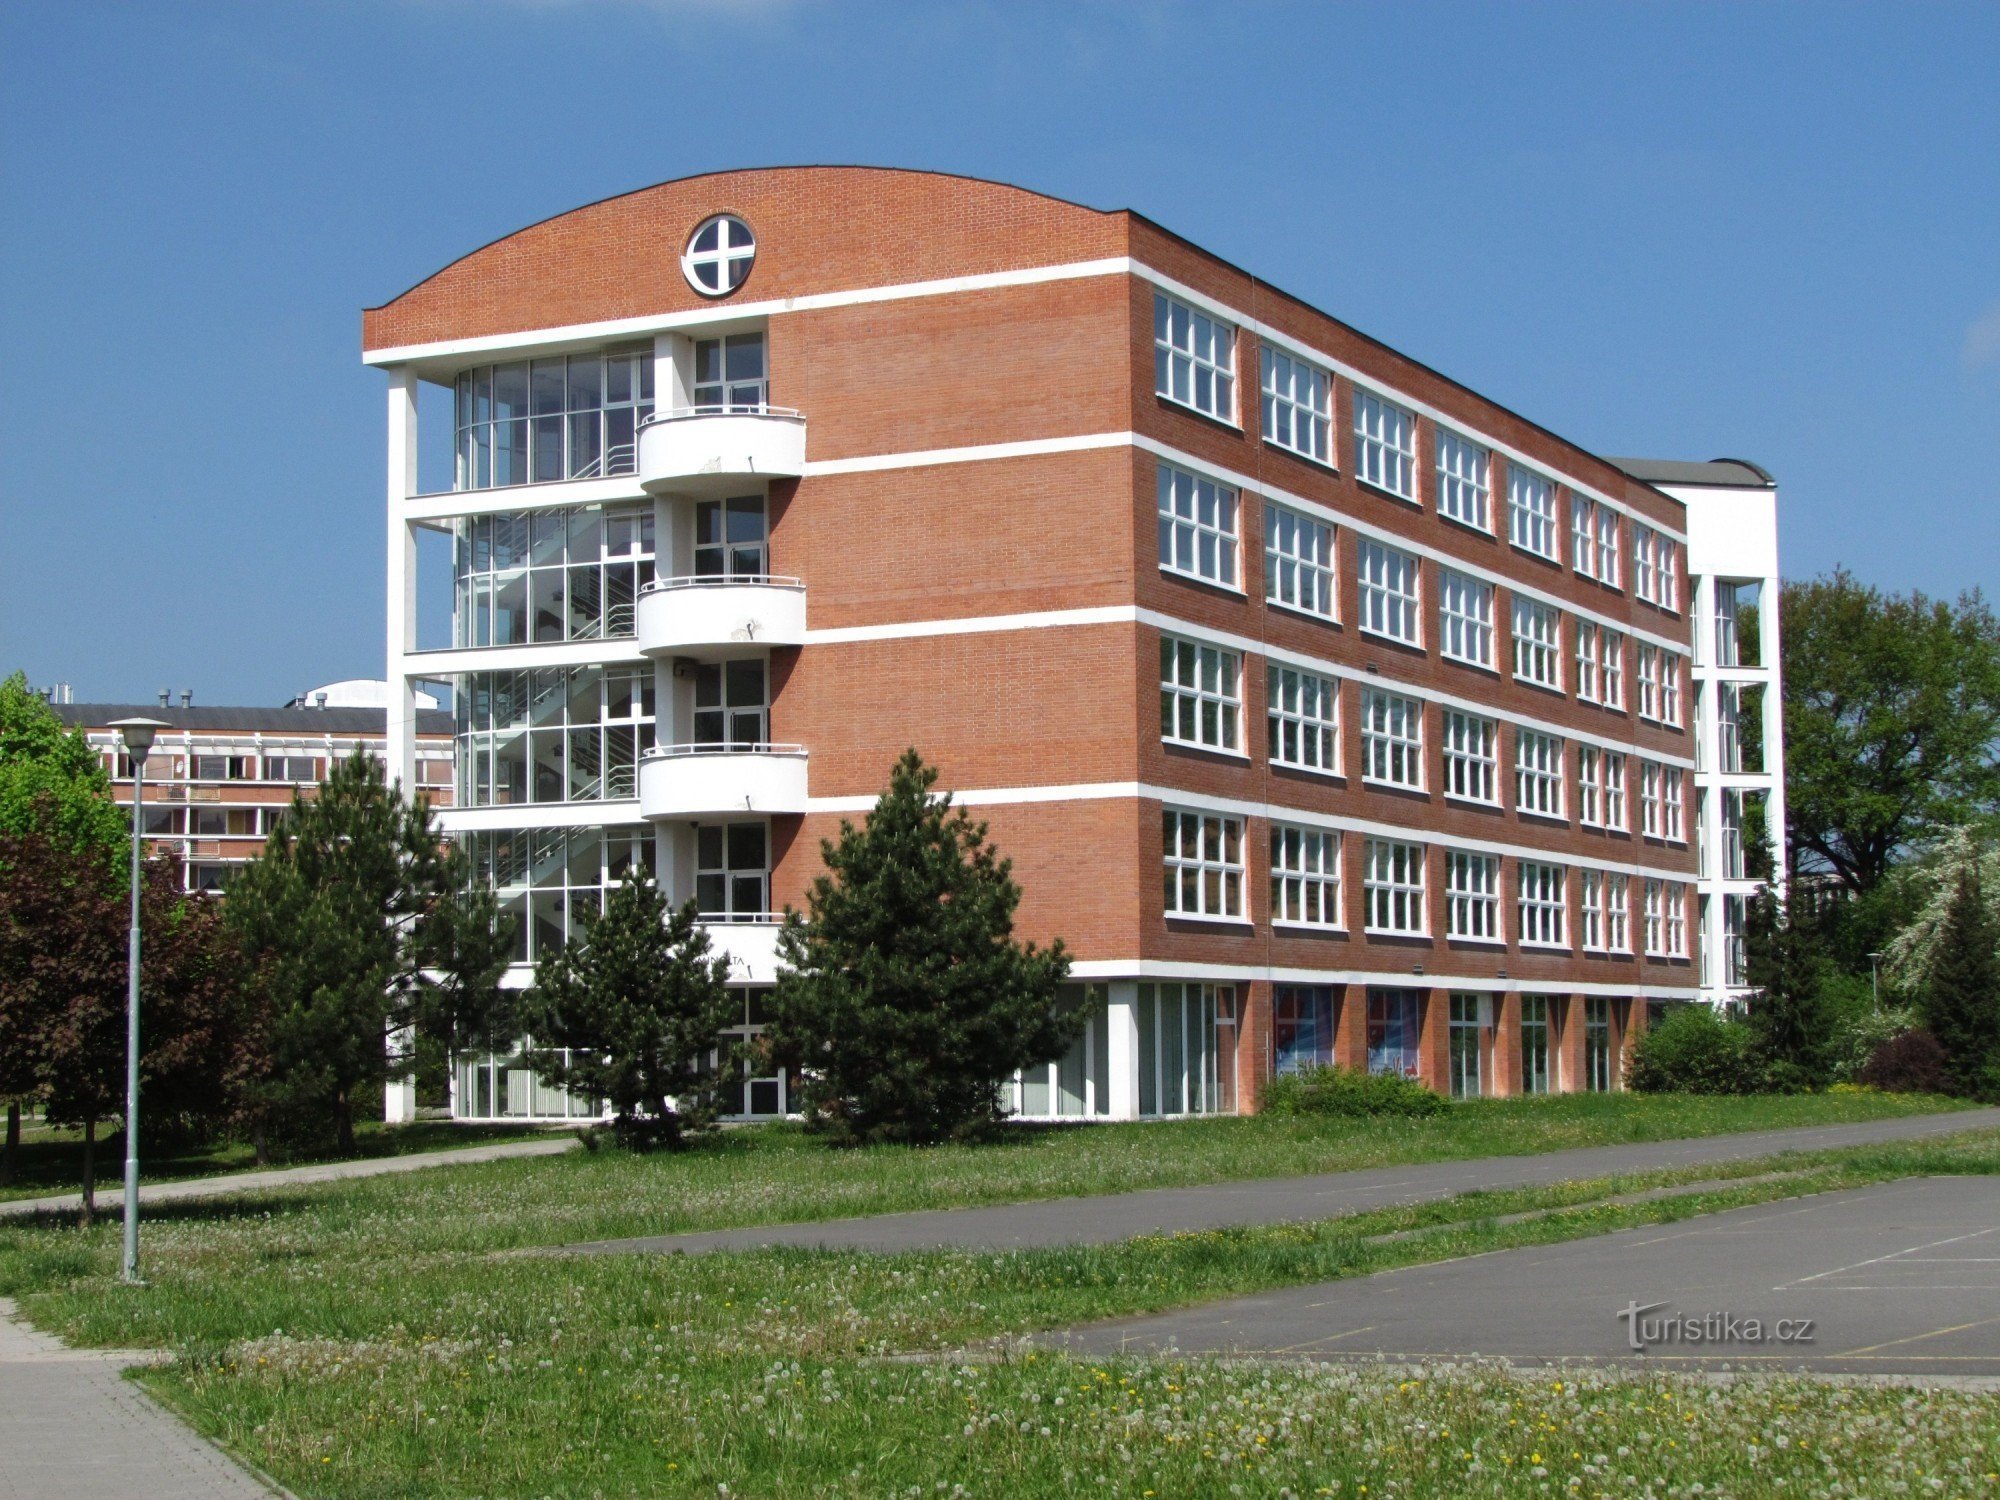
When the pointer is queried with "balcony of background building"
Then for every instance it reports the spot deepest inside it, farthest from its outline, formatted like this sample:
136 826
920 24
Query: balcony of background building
720 611
697 780
712 450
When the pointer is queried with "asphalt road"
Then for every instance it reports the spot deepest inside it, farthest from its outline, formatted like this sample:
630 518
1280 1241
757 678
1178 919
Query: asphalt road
1902 1278
1273 1200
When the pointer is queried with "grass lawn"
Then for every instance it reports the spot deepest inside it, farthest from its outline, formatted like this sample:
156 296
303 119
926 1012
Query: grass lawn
52 1158
360 1339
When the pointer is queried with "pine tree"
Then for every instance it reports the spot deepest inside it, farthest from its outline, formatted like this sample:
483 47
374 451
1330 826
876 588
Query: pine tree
360 930
1961 1004
1791 1017
639 1002
902 993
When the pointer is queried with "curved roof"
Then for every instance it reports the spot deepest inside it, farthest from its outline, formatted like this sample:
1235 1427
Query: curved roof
1716 473
620 257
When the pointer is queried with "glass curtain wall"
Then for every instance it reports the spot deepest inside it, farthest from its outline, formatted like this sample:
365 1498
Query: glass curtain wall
1187 1049
555 734
545 878
534 421
572 574
492 1086
1076 1085
1534 1044
1468 1024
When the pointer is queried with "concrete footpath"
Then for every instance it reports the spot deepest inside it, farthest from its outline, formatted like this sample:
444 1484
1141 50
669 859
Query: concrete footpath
1278 1200
73 1428
112 1193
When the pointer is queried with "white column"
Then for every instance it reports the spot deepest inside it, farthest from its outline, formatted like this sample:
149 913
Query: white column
673 371
1774 722
1123 1034
402 580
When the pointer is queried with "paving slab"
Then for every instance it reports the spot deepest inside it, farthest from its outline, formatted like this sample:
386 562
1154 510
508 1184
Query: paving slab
1277 1200
72 1427
1899 1278
111 1198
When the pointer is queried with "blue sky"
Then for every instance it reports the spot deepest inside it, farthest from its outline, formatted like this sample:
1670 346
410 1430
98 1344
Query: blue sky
1769 231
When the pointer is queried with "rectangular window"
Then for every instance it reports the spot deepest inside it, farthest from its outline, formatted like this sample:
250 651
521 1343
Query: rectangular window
1187 1049
533 421
729 373
1611 664
1589 786
1614 791
1297 405
1465 618
1305 876
1468 1026
1465 482
732 880
1298 562
1393 884
1538 773
1304 720
295 768
731 703
1672 793
1608 565
1597 1044
1594 539
1649 681
1385 445
1394 1018
730 538
1472 896
1670 689
1656 567
1204 864
1590 909
1194 358
1604 912
1471 757
1197 527
1391 599
1392 738
1201 694
1537 643
1543 911
1617 914
1586 660
1534 1044
1301 1027
1531 511
1666 919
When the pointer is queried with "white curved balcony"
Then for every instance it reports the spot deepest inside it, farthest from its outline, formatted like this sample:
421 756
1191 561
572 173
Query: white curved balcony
692 781
681 614
717 450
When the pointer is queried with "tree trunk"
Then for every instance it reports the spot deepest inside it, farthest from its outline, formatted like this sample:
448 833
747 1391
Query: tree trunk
343 1116
258 1144
90 1170
10 1156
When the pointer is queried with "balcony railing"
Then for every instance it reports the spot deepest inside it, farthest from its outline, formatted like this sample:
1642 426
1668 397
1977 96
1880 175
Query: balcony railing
722 581
710 450
718 747
713 778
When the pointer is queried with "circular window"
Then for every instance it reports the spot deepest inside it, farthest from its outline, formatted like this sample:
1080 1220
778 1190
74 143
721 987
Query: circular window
718 255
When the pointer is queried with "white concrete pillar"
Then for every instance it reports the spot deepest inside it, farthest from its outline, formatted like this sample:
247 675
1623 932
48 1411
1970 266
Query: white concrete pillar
402 579
1769 647
1122 1032
673 372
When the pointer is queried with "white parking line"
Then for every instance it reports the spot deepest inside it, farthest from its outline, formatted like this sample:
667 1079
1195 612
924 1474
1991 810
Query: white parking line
1892 1255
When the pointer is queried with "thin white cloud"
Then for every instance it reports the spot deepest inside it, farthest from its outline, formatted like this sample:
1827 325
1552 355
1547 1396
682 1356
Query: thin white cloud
1982 339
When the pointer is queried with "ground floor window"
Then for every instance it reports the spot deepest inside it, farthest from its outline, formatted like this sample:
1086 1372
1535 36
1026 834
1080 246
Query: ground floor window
1534 1044
755 1090
1468 1022
1187 1049
1597 1044
1076 1085
494 1086
1394 1018
1301 1027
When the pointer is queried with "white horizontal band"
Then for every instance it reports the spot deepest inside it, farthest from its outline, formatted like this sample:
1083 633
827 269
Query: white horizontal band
1168 969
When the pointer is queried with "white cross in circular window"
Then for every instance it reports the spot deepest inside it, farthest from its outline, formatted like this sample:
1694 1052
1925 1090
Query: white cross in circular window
718 255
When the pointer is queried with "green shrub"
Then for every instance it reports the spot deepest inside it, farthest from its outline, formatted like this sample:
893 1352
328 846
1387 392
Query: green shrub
1349 1093
1696 1051
1911 1062
1862 1031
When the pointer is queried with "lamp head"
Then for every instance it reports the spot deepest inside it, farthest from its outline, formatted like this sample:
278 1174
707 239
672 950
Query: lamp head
138 735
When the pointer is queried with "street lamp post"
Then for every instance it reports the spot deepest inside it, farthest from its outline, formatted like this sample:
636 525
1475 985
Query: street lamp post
1875 979
138 735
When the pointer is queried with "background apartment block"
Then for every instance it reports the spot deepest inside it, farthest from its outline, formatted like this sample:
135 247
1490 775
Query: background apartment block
1327 709
219 778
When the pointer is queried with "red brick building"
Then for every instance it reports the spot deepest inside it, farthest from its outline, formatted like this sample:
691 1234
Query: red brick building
1328 710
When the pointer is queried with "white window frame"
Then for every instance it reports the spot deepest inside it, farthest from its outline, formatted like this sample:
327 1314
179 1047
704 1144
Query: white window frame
1300 559
1471 757
1609 571
1465 618
1670 689
1615 814
1584 632
1538 774
1611 664
1538 658
1666 919
1673 804
1297 405
1292 696
1199 516
1391 592
1589 786
1655 567
1305 877
1393 888
1201 686
1593 539
1385 444
1542 910
1464 481
1590 910
1472 897
1649 681
1392 739
1194 354
1531 512
1201 843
